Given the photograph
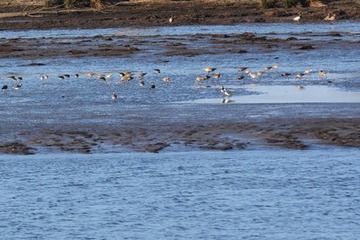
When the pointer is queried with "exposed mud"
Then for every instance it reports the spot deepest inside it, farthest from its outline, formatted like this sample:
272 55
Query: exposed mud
190 45
290 134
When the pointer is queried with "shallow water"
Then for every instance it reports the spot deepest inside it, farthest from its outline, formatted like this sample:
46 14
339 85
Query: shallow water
86 101
252 194
264 194
281 29
286 94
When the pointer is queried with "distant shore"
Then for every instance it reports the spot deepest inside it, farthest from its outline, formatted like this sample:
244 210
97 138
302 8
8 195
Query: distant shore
147 13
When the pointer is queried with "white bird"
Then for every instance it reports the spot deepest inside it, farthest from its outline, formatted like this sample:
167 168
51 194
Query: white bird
17 86
114 96
275 66
297 18
307 71
171 19
209 69
166 79
253 75
44 76
226 91
89 74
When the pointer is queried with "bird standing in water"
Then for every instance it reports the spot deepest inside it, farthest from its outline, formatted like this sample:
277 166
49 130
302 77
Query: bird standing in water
209 69
17 86
225 91
141 75
142 83
114 96
166 79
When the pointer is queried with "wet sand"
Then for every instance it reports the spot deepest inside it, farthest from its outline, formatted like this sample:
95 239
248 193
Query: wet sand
184 133
282 133
190 45
188 128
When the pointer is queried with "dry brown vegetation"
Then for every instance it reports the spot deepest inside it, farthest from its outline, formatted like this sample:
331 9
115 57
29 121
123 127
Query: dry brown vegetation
114 13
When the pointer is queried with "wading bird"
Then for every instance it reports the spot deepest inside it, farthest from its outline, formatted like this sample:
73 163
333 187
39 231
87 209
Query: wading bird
322 73
226 91
209 69
166 79
114 96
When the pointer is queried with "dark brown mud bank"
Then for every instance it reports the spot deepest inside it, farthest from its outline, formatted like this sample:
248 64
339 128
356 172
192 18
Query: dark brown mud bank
130 13
288 134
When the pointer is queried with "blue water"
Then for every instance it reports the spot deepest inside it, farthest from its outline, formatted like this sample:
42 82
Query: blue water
260 194
350 28
251 194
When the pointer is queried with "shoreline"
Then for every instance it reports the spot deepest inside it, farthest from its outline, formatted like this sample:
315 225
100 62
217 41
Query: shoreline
152 14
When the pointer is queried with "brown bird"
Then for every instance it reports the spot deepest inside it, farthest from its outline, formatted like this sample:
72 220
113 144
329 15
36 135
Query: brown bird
217 75
330 17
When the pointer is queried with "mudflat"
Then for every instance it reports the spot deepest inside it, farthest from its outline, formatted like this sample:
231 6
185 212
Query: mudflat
207 127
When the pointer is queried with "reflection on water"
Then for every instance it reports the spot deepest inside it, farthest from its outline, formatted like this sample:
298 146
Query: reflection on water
88 99
238 195
288 94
